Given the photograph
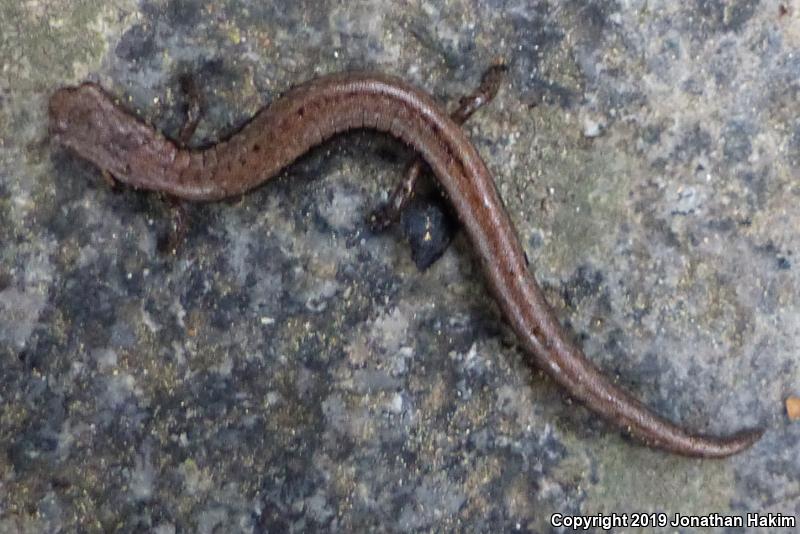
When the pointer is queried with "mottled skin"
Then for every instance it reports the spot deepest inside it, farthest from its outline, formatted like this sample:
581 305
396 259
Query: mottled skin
88 121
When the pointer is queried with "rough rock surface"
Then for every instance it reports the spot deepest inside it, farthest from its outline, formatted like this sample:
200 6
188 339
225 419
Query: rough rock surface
289 370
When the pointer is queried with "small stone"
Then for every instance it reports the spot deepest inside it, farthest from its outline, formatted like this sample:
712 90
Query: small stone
793 408
591 127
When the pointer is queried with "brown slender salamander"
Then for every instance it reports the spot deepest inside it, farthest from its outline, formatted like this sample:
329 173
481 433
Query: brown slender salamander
88 121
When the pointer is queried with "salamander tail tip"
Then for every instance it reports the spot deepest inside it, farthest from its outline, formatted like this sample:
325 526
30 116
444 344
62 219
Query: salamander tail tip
734 444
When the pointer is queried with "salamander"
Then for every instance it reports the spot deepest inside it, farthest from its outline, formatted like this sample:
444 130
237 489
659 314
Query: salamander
87 120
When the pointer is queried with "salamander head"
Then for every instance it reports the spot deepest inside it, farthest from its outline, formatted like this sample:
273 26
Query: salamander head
87 120
74 114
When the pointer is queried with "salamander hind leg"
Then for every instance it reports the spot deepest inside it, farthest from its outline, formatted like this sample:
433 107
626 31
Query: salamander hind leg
389 213
428 229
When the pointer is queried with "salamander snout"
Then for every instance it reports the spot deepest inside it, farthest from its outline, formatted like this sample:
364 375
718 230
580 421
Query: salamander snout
59 110
71 110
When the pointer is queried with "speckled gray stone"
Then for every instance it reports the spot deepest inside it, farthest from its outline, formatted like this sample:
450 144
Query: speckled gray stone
289 370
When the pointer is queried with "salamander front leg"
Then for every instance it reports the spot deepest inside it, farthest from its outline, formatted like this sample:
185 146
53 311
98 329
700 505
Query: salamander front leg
109 179
171 241
194 108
